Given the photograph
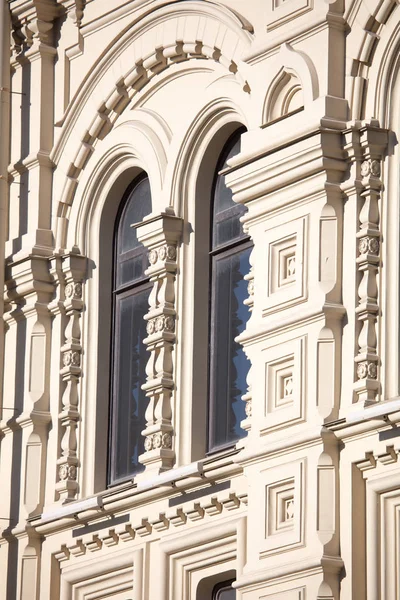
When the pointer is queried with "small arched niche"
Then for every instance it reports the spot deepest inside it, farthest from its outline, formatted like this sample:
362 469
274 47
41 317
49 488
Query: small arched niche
286 96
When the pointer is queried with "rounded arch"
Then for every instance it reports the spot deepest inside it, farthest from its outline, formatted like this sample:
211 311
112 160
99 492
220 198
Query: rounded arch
373 53
205 31
131 146
91 232
293 72
205 137
190 187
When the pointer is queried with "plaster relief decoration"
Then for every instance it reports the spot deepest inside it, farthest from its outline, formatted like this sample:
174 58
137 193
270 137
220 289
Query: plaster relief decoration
284 383
286 96
286 265
160 235
372 142
74 269
280 12
382 519
283 496
118 576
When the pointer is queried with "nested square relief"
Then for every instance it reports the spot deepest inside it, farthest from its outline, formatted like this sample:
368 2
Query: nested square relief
283 494
284 384
286 260
281 504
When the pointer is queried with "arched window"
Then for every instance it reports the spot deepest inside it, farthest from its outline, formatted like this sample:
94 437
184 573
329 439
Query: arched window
130 293
229 262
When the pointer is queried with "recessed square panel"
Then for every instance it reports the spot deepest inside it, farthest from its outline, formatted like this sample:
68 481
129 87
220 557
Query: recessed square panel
284 384
283 493
287 266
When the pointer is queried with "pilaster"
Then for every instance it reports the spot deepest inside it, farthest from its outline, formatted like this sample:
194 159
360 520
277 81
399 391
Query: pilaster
29 290
33 59
366 146
73 267
294 216
161 235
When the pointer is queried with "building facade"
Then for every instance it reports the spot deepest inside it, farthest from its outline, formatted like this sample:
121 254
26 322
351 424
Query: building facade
200 344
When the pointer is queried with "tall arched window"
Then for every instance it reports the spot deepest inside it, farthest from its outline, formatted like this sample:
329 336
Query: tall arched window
229 262
131 290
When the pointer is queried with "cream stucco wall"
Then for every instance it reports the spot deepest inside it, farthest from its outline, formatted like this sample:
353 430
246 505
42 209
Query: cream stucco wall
307 505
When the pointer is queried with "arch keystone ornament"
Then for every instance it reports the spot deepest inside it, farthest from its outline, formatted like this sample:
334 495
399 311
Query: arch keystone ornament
161 235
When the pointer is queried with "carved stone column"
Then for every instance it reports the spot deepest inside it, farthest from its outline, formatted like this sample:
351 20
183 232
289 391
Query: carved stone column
372 142
161 236
74 269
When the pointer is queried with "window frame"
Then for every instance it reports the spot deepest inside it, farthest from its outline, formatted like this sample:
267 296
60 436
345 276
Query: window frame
230 248
129 289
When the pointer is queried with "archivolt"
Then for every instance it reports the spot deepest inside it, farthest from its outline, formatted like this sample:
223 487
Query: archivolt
373 44
199 31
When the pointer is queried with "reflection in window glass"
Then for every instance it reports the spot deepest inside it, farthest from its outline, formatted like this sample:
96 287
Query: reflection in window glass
230 252
129 356
224 591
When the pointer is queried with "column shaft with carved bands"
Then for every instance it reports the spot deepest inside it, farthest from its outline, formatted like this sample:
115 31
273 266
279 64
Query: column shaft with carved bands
74 268
161 236
372 142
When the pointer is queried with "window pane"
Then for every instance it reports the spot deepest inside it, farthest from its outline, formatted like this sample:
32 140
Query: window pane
226 214
228 365
129 401
131 255
224 592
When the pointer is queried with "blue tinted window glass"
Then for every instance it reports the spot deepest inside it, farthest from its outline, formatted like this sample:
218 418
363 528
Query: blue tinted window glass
130 364
230 251
131 255
229 364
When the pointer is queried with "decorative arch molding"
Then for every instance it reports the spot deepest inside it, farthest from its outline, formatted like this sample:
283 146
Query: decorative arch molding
374 50
215 116
121 152
192 31
294 73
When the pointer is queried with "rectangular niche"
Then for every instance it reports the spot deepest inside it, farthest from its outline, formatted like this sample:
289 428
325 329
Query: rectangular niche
284 384
280 12
287 266
283 488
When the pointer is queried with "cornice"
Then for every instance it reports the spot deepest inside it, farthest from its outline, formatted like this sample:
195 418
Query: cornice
127 497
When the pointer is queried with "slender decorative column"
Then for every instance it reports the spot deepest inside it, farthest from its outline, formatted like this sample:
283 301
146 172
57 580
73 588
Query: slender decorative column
161 236
74 269
373 142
